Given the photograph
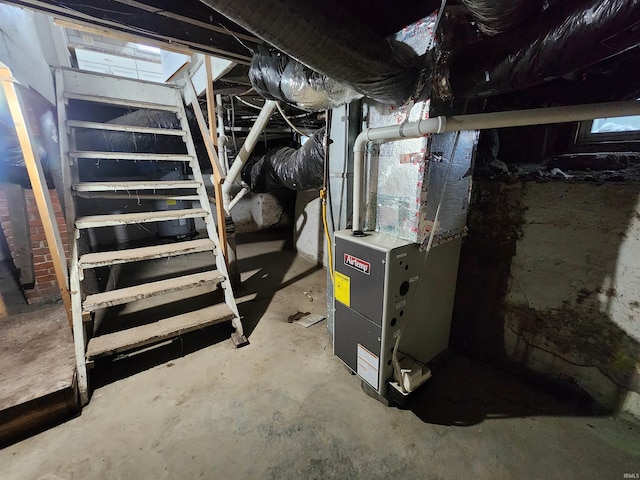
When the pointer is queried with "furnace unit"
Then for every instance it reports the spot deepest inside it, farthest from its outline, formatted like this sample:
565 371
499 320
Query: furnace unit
384 286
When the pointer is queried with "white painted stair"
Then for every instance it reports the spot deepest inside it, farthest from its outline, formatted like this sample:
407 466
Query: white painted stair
99 91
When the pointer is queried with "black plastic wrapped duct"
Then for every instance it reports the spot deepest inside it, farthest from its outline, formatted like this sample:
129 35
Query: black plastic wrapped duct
10 151
276 76
566 37
498 16
112 141
12 164
265 73
328 39
295 169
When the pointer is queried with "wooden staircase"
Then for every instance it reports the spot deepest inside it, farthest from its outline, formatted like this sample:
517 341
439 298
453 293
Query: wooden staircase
84 101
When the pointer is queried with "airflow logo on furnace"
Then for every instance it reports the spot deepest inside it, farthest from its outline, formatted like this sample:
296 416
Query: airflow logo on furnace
358 264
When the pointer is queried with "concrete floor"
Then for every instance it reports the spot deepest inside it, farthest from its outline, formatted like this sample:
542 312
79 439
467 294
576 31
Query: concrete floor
285 408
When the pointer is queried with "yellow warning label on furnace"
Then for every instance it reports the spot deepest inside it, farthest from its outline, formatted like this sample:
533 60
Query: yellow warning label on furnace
342 288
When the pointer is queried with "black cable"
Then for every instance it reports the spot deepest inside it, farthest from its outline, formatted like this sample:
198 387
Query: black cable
327 169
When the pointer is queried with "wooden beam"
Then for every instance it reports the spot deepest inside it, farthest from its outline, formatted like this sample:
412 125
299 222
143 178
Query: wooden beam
39 185
217 176
192 21
120 35
144 24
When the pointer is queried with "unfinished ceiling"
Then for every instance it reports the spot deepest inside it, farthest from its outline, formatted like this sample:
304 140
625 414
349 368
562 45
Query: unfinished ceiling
498 54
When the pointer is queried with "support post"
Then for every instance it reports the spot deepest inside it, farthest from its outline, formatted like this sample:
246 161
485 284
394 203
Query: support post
218 177
233 173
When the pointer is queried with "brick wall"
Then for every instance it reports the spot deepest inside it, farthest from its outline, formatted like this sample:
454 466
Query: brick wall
45 287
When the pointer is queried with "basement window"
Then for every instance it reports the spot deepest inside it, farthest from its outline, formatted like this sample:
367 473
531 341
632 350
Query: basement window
147 49
613 129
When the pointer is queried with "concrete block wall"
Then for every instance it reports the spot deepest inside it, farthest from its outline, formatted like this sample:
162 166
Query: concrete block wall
45 288
308 235
549 282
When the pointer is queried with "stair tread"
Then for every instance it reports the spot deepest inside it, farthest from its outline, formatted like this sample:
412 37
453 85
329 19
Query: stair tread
138 292
98 259
138 196
156 332
120 101
95 154
140 185
124 128
91 221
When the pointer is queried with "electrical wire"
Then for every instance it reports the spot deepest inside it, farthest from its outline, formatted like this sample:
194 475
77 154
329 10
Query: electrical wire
248 104
324 194
444 187
237 39
327 164
289 122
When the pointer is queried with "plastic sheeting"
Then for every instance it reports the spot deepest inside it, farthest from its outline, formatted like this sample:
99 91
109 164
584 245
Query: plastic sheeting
295 169
12 164
111 141
275 76
10 151
498 16
327 38
566 37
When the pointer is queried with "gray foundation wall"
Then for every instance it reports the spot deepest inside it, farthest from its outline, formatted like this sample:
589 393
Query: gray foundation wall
549 282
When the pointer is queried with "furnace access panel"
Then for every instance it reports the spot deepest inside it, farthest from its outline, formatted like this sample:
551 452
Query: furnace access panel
383 284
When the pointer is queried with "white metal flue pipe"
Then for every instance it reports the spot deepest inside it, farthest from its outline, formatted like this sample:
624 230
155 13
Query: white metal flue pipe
248 145
239 196
222 153
222 138
480 121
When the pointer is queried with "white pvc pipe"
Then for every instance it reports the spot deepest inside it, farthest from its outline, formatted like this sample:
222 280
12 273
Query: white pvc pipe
542 116
222 138
247 147
387 134
222 153
239 196
478 121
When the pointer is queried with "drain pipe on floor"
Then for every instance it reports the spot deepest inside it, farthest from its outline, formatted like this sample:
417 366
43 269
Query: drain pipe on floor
480 121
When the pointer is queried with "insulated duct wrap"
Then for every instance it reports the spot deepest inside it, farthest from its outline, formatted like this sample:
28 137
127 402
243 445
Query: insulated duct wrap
120 141
326 38
12 162
276 76
565 38
499 16
295 169
113 141
10 151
